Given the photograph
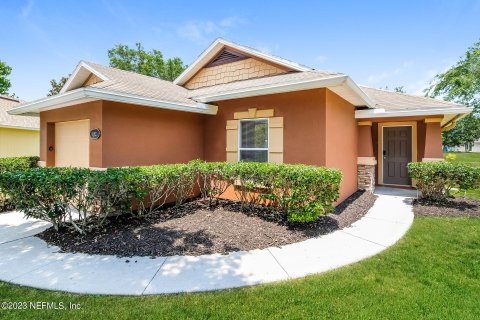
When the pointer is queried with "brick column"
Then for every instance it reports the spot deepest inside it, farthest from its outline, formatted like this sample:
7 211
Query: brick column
366 159
433 140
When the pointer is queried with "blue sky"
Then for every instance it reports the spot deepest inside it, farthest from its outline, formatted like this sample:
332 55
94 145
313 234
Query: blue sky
377 43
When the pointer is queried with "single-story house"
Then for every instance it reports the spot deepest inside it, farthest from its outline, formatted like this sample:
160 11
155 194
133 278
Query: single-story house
235 103
19 135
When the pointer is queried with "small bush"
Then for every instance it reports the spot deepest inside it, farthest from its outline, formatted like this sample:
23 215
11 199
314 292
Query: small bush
450 157
436 179
13 164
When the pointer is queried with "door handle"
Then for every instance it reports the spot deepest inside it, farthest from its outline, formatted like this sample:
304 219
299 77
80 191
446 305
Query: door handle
384 154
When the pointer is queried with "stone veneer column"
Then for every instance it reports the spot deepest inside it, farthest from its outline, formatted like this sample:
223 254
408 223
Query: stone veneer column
366 161
433 140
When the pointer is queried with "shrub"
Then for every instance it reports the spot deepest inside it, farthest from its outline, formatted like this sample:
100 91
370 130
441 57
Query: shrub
10 165
436 179
450 157
82 199
17 163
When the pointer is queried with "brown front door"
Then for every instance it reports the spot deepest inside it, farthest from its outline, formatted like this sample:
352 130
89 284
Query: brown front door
397 153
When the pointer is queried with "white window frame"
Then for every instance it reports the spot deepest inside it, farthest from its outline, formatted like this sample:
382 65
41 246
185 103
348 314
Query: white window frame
253 149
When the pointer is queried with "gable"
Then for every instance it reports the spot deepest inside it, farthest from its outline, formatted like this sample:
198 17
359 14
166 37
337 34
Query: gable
230 65
92 79
84 75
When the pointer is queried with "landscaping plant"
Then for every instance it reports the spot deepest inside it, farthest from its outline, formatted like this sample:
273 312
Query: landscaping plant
436 179
83 199
12 164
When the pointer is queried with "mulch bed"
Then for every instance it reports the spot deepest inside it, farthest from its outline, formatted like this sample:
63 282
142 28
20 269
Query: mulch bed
454 207
195 229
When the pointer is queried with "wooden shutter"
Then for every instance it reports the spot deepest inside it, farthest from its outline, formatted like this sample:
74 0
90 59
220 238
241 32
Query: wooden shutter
275 148
232 140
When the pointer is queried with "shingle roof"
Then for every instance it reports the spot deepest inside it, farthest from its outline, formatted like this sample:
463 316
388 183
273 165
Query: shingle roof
6 120
140 85
390 100
281 79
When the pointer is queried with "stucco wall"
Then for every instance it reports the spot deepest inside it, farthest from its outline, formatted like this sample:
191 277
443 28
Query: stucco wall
342 141
135 135
17 142
303 114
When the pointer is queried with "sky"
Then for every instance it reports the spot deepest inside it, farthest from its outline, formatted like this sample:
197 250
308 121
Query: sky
377 43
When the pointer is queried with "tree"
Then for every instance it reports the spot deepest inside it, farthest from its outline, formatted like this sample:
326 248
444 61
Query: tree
5 84
461 84
150 63
57 86
400 89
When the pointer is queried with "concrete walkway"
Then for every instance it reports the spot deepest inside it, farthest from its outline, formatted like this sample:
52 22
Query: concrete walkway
29 261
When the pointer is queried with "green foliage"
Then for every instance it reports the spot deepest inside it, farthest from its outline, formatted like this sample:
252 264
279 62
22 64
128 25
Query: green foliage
450 157
13 164
57 86
461 83
17 163
436 179
83 199
150 63
5 84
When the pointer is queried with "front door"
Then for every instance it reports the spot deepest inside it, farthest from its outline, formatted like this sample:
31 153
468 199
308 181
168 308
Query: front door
397 153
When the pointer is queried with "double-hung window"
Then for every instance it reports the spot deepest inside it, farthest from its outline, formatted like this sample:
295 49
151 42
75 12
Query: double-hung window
253 140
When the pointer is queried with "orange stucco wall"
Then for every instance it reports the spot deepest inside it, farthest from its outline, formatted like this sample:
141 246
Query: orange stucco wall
433 141
341 141
365 141
303 114
136 135
131 135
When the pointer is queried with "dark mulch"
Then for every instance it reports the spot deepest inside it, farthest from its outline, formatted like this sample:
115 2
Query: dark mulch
194 229
454 207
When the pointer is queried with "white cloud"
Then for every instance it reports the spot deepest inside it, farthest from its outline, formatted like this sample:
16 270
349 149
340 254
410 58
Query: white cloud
376 78
205 31
27 9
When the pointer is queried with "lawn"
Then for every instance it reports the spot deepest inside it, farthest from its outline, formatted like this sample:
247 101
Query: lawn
433 273
471 159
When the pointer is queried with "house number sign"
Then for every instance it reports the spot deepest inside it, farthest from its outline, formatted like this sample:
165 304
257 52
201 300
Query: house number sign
95 134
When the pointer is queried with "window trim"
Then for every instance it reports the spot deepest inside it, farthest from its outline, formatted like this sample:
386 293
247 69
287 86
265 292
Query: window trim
239 148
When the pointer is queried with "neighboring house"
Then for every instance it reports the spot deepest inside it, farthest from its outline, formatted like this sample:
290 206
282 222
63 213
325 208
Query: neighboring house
236 103
19 135
476 146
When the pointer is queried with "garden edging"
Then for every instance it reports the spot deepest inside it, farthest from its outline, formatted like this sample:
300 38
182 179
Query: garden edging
29 261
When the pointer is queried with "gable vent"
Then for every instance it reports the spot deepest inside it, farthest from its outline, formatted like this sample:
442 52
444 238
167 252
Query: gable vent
226 56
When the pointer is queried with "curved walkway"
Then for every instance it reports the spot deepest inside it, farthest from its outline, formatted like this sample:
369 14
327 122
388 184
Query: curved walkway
27 260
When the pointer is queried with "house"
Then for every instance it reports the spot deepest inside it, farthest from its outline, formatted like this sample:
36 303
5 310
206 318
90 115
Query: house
19 135
236 103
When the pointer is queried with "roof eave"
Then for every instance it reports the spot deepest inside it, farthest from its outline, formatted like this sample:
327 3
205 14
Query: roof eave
330 82
91 94
382 113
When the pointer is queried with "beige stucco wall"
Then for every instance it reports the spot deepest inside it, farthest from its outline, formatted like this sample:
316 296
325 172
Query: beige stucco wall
238 70
18 142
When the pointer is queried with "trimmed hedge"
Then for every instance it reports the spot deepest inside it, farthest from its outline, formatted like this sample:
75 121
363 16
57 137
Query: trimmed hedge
17 163
82 198
436 179
10 165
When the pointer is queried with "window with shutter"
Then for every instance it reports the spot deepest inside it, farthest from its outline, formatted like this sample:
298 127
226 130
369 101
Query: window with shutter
255 136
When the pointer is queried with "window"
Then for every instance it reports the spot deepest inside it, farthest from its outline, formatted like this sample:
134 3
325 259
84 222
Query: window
253 144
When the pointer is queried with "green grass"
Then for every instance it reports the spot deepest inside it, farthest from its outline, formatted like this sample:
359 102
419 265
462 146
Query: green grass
433 273
471 159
